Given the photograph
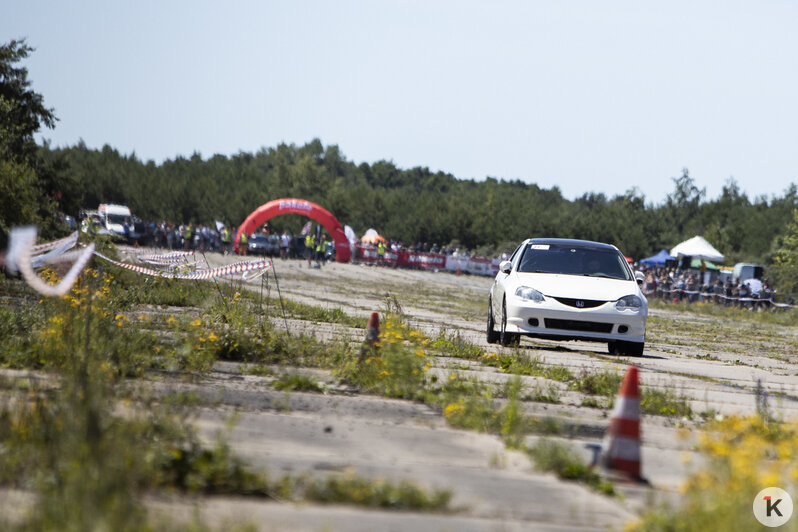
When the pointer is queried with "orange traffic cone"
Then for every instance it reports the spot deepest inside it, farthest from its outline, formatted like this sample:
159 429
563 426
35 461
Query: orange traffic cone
621 446
373 329
372 335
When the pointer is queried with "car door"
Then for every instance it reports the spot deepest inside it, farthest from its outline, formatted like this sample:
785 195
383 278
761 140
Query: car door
498 288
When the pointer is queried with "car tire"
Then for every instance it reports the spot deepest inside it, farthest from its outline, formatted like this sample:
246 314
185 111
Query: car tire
629 349
492 336
507 338
633 349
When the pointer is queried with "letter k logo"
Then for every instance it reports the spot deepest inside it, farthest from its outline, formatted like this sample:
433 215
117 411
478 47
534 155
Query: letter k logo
772 506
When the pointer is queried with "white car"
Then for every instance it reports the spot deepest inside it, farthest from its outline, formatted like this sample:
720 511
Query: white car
568 290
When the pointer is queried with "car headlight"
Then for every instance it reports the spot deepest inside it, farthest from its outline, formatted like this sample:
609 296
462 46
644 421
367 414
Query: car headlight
529 294
631 302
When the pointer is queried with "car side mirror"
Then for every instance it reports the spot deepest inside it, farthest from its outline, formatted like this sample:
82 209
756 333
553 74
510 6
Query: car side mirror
505 266
640 278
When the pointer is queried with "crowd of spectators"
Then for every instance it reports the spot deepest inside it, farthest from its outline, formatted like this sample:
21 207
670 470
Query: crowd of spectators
212 238
675 285
219 238
420 247
668 283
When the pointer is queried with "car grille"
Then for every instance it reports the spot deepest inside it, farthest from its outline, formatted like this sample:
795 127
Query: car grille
579 303
577 325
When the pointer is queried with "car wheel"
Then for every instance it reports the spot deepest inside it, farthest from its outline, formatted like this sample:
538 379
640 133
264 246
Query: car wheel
507 338
633 349
492 335
629 349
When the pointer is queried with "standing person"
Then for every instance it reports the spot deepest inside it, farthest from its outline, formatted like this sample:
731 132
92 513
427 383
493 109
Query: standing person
308 247
202 236
284 241
703 270
226 240
170 236
187 237
321 246
381 252
242 243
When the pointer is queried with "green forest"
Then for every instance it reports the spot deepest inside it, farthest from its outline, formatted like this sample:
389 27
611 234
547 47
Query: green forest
39 182
416 205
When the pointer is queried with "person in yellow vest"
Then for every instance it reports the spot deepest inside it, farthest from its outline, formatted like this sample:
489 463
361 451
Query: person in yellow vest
381 252
242 243
308 247
321 247
187 236
226 240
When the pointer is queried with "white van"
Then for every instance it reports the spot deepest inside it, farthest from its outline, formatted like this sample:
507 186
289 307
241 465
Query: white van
745 270
113 217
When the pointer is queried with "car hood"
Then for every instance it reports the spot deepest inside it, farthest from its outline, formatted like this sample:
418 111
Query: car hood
576 286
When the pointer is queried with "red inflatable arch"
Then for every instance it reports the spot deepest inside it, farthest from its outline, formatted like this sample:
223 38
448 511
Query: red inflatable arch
298 206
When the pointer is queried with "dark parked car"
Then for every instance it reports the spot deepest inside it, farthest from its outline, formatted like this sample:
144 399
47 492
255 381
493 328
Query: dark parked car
263 245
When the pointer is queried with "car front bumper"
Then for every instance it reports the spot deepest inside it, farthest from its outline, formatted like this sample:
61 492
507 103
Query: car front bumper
552 319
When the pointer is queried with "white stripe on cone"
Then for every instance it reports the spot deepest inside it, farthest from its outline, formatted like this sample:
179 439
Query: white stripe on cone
626 408
621 444
622 447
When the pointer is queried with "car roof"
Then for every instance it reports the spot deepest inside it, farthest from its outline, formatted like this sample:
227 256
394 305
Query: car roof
571 242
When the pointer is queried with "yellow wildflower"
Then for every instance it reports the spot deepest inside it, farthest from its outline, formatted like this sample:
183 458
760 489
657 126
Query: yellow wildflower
453 409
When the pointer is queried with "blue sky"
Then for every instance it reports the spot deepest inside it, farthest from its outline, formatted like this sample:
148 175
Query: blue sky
584 95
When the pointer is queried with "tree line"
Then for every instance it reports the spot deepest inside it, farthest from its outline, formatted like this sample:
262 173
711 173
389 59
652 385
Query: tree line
417 205
39 182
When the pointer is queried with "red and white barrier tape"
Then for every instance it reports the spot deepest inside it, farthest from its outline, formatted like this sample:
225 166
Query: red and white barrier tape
711 296
41 248
174 257
20 251
222 271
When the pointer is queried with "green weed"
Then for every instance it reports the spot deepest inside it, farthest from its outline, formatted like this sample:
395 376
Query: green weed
395 367
567 464
602 383
291 382
664 403
455 345
523 364
372 493
511 416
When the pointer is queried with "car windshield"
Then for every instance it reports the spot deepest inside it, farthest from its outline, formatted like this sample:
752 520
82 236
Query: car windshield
260 239
117 219
573 260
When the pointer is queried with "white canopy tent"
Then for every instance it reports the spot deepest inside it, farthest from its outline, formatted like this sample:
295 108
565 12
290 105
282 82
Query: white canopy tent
699 248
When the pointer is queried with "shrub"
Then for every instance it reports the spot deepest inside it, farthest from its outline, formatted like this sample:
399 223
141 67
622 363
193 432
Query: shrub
743 455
